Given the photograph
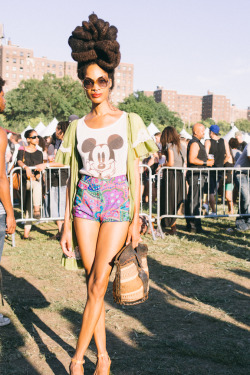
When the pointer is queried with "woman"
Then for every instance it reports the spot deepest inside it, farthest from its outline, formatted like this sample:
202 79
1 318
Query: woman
55 198
30 157
103 150
172 180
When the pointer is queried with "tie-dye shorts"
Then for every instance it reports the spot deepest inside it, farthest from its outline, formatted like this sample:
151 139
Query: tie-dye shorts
102 200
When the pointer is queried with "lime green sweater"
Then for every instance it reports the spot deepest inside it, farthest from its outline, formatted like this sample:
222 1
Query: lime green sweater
140 144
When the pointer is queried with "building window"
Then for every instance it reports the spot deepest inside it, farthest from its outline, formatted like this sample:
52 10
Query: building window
14 61
60 66
54 65
42 63
124 67
7 67
20 76
13 75
14 68
48 65
21 68
7 59
21 61
14 52
28 54
7 75
21 53
60 74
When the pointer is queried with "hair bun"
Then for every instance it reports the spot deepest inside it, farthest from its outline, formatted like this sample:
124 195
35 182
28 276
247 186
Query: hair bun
95 42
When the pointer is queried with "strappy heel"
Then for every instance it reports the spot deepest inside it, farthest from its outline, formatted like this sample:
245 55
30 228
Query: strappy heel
109 362
77 362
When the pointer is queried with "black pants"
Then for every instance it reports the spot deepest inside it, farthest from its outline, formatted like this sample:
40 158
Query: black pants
196 185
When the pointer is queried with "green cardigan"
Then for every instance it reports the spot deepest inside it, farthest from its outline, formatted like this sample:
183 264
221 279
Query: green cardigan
140 144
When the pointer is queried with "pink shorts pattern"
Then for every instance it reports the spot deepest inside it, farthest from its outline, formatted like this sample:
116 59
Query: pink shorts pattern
102 200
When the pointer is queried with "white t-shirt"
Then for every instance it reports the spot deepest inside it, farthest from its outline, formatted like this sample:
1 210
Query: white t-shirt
103 151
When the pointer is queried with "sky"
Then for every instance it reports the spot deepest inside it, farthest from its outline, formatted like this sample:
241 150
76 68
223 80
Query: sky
190 46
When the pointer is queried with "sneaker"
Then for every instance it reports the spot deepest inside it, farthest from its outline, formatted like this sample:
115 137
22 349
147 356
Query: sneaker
205 207
4 321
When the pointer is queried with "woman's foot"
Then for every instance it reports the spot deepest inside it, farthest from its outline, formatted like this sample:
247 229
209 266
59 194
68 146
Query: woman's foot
103 364
76 367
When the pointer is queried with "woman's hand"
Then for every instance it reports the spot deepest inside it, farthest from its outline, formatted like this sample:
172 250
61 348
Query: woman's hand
134 232
41 167
66 243
29 174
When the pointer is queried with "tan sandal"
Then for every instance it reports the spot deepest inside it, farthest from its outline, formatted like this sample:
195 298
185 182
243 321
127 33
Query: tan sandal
109 362
77 362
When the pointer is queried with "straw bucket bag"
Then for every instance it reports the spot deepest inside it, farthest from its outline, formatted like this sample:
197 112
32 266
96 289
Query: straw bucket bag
131 283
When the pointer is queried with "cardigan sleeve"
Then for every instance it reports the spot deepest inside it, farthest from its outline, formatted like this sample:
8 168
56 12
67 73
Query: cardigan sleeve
142 143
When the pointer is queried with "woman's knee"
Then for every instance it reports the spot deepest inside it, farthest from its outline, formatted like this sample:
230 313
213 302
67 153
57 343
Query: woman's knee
97 287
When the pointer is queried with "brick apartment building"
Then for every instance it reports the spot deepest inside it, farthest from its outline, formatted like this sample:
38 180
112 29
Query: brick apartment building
192 108
18 63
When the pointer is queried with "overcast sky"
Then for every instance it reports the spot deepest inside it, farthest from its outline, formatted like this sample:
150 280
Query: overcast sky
190 46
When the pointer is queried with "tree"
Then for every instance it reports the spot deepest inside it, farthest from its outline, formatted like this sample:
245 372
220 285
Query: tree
149 110
243 125
46 99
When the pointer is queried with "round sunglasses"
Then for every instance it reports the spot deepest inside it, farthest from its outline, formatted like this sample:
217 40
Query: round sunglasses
89 83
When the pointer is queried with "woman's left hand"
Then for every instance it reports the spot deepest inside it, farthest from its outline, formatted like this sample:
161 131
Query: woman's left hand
40 167
134 232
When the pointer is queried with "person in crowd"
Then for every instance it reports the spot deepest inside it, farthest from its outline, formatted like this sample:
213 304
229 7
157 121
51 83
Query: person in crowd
7 219
219 148
239 137
14 139
171 191
30 156
234 146
103 149
242 180
196 158
72 118
55 198
152 162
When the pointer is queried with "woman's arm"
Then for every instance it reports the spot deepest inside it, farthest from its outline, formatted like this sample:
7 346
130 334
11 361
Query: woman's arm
21 164
134 228
66 239
42 166
170 162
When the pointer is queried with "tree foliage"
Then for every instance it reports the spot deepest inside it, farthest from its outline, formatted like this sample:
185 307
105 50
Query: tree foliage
46 99
243 125
149 110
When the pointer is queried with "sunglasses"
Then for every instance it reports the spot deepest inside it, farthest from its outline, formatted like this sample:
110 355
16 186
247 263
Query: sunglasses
89 83
34 137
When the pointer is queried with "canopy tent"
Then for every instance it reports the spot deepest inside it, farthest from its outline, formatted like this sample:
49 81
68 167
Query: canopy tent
185 134
246 137
50 129
231 133
40 128
28 128
152 129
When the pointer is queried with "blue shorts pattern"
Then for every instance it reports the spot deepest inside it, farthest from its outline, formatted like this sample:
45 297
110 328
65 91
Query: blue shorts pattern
103 200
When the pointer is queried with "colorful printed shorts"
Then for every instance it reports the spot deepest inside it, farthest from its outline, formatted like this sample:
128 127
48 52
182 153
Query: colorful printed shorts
102 200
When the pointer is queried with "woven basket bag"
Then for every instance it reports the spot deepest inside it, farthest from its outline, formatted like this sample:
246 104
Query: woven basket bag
131 283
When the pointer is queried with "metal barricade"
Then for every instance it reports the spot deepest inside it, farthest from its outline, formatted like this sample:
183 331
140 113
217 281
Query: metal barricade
45 181
205 179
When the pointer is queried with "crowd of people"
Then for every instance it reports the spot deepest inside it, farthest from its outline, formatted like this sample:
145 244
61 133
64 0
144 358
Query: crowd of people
193 192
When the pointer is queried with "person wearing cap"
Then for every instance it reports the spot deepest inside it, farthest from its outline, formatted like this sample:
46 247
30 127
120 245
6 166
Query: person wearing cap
219 148
73 118
242 180
239 137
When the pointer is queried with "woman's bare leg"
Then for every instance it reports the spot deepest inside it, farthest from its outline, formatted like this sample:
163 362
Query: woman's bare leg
98 248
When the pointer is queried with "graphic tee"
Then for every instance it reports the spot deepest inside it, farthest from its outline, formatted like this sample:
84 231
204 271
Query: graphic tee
103 151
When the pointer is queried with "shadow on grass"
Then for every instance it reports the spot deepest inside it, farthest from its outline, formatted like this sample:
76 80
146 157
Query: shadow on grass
232 243
22 298
180 340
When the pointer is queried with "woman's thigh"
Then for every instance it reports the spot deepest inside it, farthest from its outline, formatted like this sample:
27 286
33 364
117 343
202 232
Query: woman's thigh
111 238
87 233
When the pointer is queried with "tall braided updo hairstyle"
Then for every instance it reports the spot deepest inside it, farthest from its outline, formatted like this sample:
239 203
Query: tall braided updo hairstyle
95 43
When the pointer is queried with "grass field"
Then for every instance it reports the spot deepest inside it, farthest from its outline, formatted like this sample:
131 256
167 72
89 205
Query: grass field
195 322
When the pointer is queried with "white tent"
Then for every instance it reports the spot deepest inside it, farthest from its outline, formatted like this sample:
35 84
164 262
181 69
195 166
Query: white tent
246 137
231 133
28 128
152 129
40 128
50 129
185 134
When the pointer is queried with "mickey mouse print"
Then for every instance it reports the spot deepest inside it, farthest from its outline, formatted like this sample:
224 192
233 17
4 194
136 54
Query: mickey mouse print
101 160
